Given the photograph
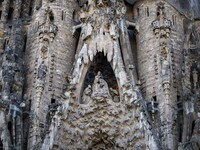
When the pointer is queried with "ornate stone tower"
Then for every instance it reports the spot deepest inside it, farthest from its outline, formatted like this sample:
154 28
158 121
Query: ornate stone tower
99 74
159 64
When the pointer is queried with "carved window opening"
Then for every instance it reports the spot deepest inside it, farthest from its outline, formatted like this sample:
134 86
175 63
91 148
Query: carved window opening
74 16
138 11
1 145
132 36
30 11
180 131
31 8
86 3
51 17
147 11
62 17
1 1
77 36
10 13
10 27
180 118
0 14
5 44
10 130
53 101
158 14
25 41
174 19
100 64
192 128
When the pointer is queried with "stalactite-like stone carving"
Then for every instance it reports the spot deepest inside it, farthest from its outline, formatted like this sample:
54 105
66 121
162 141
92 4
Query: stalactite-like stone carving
100 33
99 26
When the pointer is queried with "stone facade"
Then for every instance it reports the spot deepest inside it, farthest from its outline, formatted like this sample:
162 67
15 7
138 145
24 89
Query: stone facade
100 74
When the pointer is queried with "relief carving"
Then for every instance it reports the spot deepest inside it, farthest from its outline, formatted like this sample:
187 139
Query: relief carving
195 78
162 30
42 70
100 88
48 29
87 95
162 26
130 96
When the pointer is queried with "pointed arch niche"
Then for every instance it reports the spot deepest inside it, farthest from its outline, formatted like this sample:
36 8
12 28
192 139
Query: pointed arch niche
100 64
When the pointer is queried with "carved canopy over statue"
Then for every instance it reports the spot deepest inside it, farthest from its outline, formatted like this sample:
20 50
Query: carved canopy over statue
99 33
99 23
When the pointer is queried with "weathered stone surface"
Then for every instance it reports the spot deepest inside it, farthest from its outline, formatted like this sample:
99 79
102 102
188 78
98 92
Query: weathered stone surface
99 74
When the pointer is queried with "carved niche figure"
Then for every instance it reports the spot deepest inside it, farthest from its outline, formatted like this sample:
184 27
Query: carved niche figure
87 95
165 61
44 51
42 70
130 96
115 95
195 78
100 88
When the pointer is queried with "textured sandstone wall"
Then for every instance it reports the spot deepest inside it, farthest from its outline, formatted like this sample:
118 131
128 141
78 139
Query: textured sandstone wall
33 78
150 67
59 61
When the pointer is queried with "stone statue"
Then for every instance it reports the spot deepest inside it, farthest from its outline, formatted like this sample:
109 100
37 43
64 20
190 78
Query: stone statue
100 87
115 95
87 95
195 78
130 96
42 70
